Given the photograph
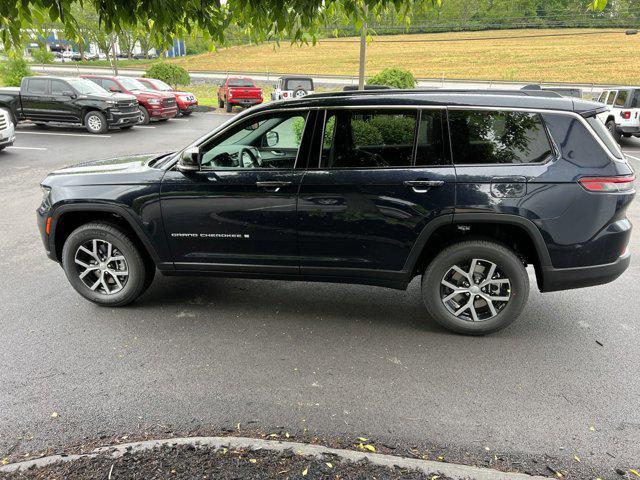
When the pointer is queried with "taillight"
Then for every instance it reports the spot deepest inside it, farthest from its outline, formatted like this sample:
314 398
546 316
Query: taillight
285 94
608 184
626 114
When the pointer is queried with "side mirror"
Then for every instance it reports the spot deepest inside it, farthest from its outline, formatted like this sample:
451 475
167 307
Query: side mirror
69 93
189 160
272 138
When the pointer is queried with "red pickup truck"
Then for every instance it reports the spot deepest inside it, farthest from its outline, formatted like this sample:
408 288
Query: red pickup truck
186 101
241 91
153 104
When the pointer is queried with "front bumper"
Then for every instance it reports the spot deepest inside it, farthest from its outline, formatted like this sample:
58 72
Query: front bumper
187 106
118 119
555 279
7 136
162 112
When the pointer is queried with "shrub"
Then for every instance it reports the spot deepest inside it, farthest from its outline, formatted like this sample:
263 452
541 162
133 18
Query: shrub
364 133
168 73
42 55
13 70
394 77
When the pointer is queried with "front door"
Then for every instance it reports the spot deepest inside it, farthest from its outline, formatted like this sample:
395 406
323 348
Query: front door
382 176
239 212
62 105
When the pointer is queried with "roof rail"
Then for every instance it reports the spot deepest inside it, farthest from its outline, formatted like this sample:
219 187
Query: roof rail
418 91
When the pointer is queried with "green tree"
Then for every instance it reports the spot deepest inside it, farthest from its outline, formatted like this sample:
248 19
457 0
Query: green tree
169 73
13 70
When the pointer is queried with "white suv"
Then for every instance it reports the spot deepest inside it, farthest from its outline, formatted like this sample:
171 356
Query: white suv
622 117
7 130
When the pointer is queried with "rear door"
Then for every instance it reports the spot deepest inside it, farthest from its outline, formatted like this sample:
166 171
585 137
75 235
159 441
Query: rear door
36 100
379 176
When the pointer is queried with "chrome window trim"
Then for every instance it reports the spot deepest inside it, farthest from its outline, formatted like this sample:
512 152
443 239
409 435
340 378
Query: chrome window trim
248 114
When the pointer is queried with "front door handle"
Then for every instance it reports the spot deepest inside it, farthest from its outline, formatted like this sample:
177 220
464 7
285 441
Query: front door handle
275 185
423 186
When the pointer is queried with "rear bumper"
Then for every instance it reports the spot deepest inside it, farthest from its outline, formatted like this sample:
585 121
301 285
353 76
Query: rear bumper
555 279
245 102
633 130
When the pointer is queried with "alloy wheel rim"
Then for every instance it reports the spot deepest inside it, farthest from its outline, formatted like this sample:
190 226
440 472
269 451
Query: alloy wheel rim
475 290
95 123
101 267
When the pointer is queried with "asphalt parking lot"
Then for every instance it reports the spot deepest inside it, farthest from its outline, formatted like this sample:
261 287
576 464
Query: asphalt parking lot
338 360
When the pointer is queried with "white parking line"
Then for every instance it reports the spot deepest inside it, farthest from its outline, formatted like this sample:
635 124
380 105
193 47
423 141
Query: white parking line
179 120
632 156
143 126
27 148
65 134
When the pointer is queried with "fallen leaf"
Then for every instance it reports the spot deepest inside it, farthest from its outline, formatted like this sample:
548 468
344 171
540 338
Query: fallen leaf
238 427
441 458
5 461
362 439
329 464
371 448
435 477
635 472
286 434
305 471
174 472
55 415
252 460
487 449
576 458
592 429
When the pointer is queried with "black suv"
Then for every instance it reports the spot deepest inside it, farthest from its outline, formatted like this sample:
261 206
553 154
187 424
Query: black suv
465 189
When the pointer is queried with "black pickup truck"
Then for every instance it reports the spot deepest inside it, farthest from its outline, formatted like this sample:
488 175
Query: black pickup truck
71 101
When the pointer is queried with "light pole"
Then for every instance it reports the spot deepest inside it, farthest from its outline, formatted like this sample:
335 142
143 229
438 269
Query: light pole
363 47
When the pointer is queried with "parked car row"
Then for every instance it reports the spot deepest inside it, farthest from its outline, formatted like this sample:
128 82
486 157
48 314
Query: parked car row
98 102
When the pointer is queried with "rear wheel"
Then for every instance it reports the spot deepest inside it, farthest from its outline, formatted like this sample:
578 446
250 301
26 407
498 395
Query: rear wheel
104 265
229 107
475 287
220 103
95 122
611 125
144 115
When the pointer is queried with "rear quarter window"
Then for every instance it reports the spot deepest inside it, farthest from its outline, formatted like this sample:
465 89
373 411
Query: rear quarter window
498 137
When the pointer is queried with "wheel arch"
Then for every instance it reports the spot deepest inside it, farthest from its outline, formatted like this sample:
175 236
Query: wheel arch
515 232
67 218
90 108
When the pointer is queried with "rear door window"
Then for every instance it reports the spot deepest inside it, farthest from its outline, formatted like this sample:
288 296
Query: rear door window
431 148
361 138
621 99
603 97
37 86
611 98
498 137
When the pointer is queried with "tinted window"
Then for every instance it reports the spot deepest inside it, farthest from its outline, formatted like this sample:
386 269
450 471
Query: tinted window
603 132
37 86
58 87
479 137
240 82
602 97
368 138
621 99
431 149
612 95
299 84
109 84
270 141
635 99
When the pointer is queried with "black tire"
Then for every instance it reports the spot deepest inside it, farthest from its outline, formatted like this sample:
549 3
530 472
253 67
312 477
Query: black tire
163 119
459 254
144 115
95 122
127 127
229 107
40 124
186 113
220 103
139 275
611 125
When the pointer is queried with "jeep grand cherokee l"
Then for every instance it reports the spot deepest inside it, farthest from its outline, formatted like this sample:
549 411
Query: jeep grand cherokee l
464 189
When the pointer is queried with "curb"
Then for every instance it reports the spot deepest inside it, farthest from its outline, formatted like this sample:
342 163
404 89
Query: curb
456 471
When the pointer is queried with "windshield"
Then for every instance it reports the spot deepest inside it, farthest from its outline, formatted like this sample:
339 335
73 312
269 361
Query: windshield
159 84
85 87
602 132
240 82
131 84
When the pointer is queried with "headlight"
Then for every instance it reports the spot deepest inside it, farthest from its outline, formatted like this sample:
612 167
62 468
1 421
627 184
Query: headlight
46 197
154 101
112 103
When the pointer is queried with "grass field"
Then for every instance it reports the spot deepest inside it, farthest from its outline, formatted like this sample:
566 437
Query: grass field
599 57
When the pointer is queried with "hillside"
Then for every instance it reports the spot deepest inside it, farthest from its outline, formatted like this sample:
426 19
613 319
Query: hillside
602 56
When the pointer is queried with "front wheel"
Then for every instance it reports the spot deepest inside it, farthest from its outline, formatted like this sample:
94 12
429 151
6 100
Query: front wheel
104 265
144 115
229 107
475 287
95 122
186 113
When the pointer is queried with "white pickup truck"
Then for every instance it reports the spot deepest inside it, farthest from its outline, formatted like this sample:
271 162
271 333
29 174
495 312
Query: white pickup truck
622 117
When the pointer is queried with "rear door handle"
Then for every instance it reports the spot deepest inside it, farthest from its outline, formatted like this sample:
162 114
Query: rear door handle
275 185
423 186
